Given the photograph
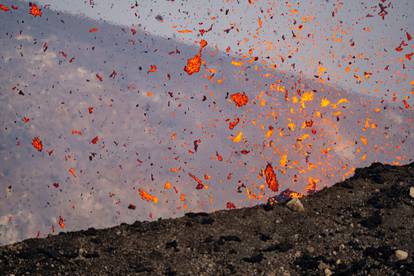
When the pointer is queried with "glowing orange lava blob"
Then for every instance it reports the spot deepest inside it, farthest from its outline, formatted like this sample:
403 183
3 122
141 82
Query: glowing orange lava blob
95 140
200 184
234 123
148 197
37 143
194 63
153 68
61 222
271 179
4 8
240 99
35 10
230 205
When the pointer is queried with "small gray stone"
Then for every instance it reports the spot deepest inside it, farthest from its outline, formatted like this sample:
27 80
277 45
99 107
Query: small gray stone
327 272
401 255
323 266
412 192
295 205
310 249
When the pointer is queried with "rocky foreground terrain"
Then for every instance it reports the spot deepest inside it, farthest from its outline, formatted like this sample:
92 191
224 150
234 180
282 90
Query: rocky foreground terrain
364 225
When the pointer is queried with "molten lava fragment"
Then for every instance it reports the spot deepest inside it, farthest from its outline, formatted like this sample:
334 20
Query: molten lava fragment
234 123
311 187
219 157
364 140
61 222
200 184
4 8
230 205
35 10
95 140
236 63
325 102
309 123
146 196
240 99
283 160
193 65
93 30
238 137
72 172
152 69
271 178
184 31
203 44
37 143
407 106
296 195
167 185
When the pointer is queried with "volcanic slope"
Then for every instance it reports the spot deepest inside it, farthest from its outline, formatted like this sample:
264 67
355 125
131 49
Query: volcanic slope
353 227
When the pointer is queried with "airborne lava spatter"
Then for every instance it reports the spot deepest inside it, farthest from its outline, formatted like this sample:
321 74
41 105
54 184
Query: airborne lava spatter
37 144
4 8
271 179
194 63
35 10
124 126
240 99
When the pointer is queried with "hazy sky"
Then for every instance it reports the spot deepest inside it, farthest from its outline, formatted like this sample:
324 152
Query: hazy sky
334 34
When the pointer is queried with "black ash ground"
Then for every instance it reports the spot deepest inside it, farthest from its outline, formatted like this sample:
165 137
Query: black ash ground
364 225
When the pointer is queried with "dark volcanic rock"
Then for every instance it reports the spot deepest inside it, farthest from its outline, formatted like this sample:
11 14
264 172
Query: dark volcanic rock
354 227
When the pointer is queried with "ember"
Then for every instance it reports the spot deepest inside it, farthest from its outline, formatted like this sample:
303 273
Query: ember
240 99
146 196
271 178
35 10
4 8
37 143
194 64
61 222
200 184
